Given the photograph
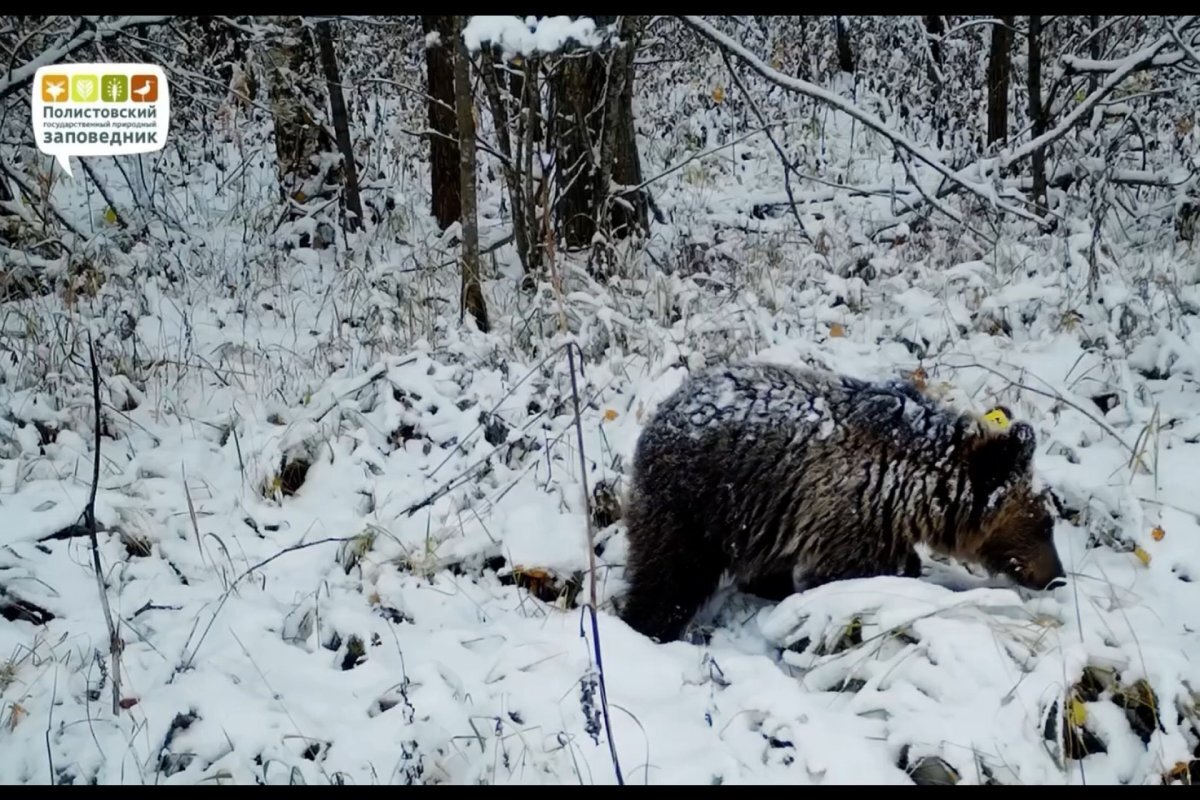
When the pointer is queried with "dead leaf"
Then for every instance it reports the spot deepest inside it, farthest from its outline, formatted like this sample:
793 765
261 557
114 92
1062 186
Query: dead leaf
837 330
1142 555
718 94
1158 533
15 714
610 415
1078 713
128 702
919 378
532 578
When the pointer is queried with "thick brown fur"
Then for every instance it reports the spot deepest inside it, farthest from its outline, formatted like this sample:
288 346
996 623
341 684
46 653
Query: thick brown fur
789 478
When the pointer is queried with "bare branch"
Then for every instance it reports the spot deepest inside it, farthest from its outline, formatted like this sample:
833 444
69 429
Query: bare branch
871 121
1121 70
52 55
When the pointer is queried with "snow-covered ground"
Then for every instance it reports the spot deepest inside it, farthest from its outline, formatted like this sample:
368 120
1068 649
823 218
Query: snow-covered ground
336 520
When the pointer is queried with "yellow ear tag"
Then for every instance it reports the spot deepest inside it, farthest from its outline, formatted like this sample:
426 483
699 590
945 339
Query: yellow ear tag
997 417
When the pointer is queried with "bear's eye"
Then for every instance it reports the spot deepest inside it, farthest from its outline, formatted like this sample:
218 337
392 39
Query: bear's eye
1014 564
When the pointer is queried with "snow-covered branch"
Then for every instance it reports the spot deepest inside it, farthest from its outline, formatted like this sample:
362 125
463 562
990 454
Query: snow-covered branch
870 120
19 76
1121 70
515 37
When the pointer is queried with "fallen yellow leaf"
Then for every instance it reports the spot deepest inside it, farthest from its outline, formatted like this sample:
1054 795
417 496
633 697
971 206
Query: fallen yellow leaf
1078 712
718 94
110 216
1158 533
837 330
1142 555
610 415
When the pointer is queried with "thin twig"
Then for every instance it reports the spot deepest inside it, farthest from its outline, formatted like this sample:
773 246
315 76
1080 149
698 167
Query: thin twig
572 348
225 596
762 120
89 519
1053 395
727 43
50 722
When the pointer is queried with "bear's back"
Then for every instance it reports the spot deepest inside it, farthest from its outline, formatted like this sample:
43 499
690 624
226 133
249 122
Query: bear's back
753 398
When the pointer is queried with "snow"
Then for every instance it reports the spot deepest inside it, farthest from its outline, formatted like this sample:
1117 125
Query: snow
384 624
530 36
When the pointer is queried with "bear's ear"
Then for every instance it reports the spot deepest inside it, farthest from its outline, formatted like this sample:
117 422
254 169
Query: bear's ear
1000 457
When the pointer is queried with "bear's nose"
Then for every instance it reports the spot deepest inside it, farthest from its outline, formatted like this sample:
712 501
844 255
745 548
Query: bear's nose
1057 583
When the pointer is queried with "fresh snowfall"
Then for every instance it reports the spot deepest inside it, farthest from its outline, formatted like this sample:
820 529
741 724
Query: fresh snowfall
342 531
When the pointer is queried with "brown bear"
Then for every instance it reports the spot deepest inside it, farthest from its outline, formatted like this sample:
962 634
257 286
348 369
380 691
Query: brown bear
792 477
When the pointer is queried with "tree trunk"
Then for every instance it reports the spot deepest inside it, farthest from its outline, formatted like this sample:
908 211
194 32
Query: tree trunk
935 27
299 137
998 79
618 151
341 126
443 141
1094 51
803 68
595 96
472 292
1037 112
845 54
510 165
577 118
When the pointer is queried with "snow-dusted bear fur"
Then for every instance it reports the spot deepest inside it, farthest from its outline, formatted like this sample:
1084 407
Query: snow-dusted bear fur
788 478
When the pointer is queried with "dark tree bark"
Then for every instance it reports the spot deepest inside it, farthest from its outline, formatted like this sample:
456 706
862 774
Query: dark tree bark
1037 111
998 77
593 115
512 177
1094 51
443 142
845 53
472 293
341 126
299 136
618 151
936 27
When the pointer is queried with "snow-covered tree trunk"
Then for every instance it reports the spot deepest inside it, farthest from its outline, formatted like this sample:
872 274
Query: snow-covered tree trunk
472 293
595 138
443 136
300 139
341 126
998 77
1037 112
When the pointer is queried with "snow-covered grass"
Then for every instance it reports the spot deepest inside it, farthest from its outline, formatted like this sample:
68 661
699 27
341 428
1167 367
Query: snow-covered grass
346 540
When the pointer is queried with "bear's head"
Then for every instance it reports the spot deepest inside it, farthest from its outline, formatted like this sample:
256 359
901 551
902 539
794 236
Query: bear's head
1012 524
